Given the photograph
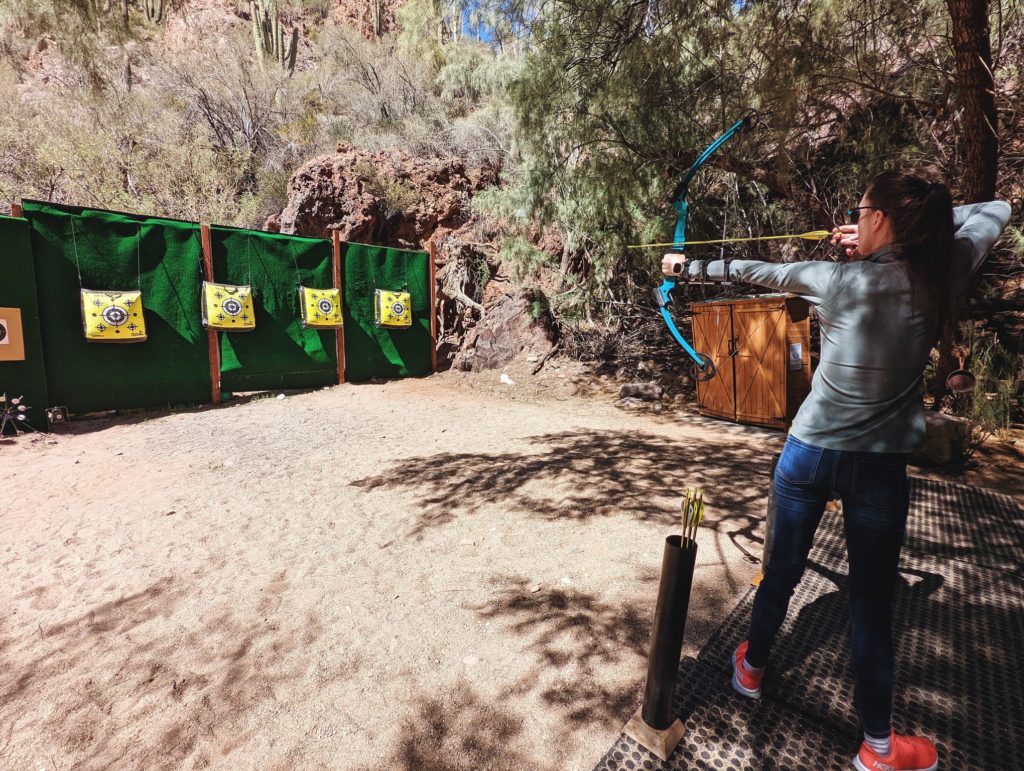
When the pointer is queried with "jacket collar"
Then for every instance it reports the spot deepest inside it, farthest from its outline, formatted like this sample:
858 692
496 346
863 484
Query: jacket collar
885 254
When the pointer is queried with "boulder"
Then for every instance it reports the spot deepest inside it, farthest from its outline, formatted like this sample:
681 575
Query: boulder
647 391
388 197
507 328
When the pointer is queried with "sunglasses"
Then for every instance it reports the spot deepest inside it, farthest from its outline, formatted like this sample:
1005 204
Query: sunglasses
854 213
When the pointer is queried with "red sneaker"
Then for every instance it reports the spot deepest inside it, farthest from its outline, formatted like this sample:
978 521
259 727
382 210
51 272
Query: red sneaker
909 753
746 683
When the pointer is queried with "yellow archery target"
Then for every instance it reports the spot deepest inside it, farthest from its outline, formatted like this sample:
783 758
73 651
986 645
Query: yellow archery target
320 307
228 307
113 317
392 309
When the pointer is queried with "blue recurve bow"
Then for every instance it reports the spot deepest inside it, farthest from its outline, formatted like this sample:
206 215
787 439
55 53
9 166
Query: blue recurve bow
703 368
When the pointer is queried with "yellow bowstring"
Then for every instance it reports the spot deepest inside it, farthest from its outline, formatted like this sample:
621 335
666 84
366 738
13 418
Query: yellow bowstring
813 235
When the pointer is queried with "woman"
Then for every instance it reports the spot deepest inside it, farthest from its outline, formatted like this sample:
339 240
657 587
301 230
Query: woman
910 255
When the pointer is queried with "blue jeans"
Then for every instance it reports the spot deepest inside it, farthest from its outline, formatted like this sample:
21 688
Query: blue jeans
876 495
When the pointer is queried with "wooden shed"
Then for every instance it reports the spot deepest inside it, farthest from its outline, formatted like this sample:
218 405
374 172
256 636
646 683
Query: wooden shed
761 347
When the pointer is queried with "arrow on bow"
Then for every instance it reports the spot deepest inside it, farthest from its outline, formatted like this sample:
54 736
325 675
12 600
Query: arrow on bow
811 235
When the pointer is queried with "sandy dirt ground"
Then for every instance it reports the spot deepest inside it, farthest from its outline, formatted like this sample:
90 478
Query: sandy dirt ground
442 573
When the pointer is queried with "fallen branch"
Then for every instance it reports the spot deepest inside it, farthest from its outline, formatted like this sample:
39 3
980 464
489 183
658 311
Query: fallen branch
463 298
544 360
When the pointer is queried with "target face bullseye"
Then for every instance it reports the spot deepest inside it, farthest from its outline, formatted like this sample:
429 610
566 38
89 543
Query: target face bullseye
325 306
232 307
114 315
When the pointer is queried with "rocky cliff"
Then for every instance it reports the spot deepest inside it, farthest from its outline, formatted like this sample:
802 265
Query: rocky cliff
394 198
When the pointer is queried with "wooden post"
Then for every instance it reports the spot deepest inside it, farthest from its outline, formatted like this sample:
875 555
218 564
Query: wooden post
433 305
16 210
340 336
214 339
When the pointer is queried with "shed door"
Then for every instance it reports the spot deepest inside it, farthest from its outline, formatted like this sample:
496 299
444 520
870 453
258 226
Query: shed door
712 335
760 331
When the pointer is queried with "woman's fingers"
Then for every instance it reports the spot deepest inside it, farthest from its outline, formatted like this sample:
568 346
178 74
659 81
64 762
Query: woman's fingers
841 232
845 237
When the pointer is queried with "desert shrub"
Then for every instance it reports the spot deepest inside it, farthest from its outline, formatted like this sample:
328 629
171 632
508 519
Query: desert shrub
191 128
991 406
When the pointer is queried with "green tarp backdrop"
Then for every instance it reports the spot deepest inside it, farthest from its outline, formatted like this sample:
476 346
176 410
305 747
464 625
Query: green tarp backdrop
280 352
371 351
18 290
74 248
119 252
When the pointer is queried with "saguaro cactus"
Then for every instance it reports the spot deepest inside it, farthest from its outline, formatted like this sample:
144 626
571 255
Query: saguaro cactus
154 10
377 13
268 35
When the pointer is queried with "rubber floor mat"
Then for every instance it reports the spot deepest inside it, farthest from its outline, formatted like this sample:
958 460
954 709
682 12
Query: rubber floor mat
959 626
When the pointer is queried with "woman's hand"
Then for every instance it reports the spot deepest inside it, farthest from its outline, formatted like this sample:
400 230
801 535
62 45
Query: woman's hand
672 263
845 237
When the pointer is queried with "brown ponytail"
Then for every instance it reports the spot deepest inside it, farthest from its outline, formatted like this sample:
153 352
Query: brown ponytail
921 212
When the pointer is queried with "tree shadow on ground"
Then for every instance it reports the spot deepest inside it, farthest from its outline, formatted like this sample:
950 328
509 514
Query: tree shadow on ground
581 475
964 525
460 731
111 670
576 639
574 635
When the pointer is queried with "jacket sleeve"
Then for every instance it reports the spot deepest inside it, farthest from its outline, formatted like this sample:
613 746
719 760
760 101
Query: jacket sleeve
978 226
816 282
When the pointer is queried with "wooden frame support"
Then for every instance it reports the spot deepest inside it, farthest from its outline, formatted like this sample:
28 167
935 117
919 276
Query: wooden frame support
340 336
16 210
214 338
432 252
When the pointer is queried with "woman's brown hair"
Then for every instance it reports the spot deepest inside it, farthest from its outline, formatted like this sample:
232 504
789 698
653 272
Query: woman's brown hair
921 213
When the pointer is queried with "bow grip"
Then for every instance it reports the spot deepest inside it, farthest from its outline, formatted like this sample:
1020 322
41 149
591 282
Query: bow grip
663 293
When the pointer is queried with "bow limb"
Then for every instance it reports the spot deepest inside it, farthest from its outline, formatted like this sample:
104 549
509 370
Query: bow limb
679 337
662 296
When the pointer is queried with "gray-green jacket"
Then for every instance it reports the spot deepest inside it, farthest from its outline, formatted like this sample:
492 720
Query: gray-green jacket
866 394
